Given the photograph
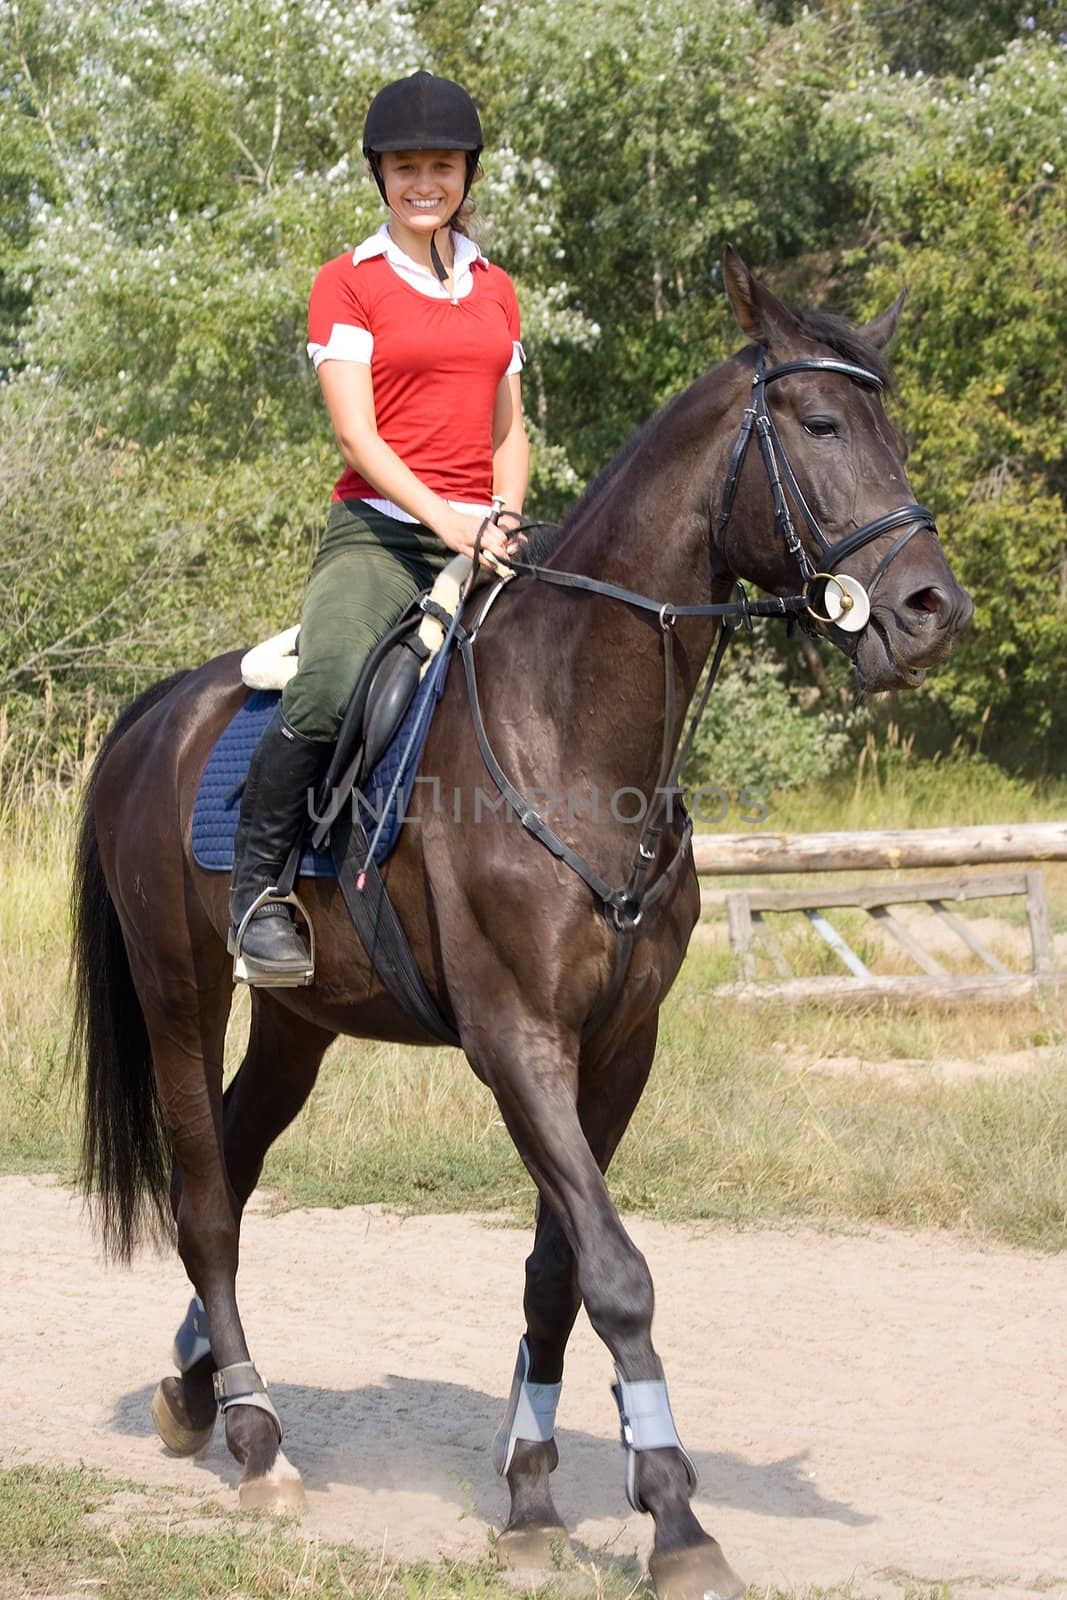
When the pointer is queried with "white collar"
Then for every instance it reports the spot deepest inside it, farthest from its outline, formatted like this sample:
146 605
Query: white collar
465 253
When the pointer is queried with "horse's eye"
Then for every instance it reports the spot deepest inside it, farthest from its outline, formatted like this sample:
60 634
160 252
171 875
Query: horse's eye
821 427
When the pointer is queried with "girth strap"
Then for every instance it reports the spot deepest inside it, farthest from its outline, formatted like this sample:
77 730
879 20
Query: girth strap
381 931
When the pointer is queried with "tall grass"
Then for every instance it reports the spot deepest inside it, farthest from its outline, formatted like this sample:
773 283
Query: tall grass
733 1126
890 786
39 784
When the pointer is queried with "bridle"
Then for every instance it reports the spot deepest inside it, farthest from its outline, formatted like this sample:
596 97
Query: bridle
847 606
846 601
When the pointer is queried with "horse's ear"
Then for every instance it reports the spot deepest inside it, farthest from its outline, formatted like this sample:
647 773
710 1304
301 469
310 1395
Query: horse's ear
760 313
881 330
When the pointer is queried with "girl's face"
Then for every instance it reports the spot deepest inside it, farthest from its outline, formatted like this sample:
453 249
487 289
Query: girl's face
424 188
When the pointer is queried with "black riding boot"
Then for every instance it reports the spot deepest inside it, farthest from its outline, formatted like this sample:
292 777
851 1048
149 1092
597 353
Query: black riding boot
274 815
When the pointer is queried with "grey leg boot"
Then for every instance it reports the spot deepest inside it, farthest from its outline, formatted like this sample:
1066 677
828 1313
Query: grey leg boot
274 816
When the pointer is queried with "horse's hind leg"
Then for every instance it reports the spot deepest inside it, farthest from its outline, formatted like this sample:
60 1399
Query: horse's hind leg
187 1040
276 1076
538 1097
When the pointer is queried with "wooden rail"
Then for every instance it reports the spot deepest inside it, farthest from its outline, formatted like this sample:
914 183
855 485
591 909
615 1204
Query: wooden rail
728 854
747 910
902 990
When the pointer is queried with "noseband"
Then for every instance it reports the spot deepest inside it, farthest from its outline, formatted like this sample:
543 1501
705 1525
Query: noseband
846 601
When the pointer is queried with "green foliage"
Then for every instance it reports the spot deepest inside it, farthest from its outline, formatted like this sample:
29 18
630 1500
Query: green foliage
176 170
974 218
756 735
121 563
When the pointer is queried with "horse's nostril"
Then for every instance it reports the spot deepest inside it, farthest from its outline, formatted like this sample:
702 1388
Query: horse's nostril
929 599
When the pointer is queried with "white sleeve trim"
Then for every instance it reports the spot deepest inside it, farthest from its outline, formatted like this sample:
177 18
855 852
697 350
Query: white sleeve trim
518 359
346 343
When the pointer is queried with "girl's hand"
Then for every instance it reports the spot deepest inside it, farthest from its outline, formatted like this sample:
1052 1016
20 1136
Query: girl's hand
510 525
459 531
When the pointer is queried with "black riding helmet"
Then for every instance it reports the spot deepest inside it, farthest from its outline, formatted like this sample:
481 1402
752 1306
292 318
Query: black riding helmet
422 112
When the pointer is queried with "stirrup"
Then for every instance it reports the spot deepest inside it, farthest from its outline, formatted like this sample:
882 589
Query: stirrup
265 977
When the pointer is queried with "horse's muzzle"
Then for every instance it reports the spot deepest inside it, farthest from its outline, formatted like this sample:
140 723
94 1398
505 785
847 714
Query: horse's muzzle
910 632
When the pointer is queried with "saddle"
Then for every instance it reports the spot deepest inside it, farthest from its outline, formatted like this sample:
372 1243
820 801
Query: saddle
387 685
367 786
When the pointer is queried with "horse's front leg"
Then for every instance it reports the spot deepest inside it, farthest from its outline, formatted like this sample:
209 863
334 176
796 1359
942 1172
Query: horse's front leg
525 1448
537 1092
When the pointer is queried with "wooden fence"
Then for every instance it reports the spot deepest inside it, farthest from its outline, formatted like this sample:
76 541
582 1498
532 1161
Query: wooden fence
747 910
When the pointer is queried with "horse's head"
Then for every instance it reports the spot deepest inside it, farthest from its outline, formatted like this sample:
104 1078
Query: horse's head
820 488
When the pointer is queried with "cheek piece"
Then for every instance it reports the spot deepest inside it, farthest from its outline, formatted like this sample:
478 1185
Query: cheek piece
834 598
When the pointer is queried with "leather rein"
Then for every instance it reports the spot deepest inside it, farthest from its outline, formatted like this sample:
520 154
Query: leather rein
624 906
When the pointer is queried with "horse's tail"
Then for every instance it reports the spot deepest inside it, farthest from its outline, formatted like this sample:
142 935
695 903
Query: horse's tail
125 1162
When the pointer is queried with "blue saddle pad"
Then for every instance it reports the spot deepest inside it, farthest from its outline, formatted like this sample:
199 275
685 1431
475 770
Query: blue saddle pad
218 801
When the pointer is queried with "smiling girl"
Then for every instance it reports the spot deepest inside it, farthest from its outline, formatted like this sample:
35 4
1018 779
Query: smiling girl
415 339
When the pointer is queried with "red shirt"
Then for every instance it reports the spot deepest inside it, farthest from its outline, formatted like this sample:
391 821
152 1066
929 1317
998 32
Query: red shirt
436 366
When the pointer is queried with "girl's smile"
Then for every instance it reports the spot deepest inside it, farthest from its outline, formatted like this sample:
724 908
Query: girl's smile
424 188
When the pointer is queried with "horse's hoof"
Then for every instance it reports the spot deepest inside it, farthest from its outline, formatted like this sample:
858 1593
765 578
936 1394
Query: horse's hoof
535 1547
280 1490
700 1573
177 1435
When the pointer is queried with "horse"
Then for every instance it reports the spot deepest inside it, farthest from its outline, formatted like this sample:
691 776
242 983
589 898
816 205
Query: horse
580 691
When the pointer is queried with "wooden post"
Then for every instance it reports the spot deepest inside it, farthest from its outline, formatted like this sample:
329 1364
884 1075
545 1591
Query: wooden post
770 944
1040 927
739 920
980 989
838 944
970 938
908 944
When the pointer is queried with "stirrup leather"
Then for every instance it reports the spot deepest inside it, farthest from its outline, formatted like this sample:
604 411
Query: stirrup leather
263 976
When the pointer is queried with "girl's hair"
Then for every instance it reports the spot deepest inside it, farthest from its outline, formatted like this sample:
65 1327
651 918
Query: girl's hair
463 220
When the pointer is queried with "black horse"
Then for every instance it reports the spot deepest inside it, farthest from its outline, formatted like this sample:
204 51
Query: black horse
583 694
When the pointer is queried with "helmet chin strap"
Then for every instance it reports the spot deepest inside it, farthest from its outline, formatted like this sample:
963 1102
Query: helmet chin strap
440 270
435 259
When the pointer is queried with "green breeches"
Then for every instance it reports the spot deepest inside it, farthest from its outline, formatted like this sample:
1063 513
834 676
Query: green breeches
368 569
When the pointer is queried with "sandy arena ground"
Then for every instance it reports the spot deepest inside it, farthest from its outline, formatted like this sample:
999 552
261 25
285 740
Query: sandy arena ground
862 1406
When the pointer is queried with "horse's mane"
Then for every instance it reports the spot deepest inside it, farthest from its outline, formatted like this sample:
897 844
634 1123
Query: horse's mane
543 540
824 327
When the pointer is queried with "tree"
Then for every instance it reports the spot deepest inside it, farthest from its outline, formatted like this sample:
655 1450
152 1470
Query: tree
970 209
